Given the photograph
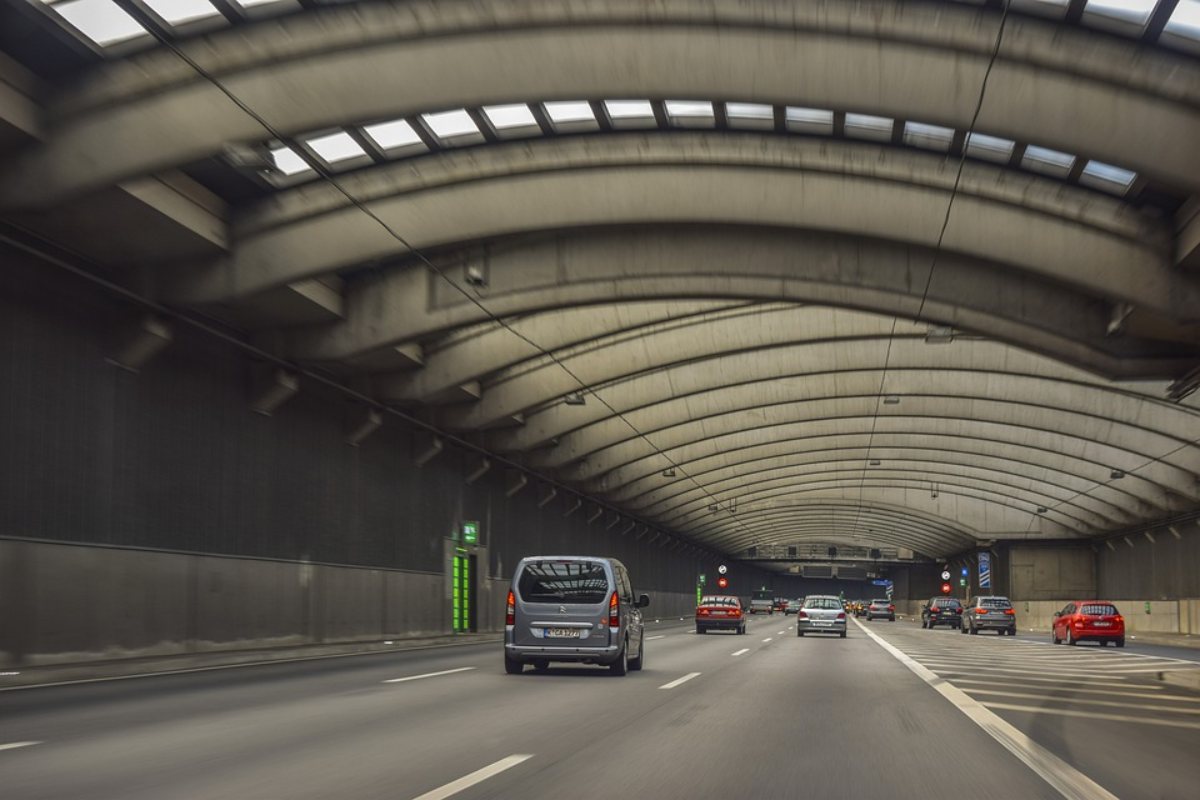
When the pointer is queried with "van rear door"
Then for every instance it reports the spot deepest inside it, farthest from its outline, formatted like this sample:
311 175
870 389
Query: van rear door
562 603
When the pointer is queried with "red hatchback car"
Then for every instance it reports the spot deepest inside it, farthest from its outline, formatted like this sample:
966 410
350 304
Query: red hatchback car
1084 620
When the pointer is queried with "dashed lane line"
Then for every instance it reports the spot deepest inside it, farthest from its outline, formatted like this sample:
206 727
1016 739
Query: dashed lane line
652 638
767 639
15 745
476 777
428 675
1068 781
679 681
741 652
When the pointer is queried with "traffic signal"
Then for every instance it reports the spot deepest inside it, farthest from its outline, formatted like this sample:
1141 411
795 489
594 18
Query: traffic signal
722 582
946 587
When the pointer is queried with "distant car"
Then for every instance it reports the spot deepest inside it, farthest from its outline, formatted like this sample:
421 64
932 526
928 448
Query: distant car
762 602
881 609
860 608
942 611
821 614
1088 620
781 604
720 613
990 613
573 608
793 605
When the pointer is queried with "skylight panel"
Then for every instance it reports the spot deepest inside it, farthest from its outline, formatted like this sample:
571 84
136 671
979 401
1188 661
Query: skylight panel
336 147
933 137
1103 176
865 126
628 109
759 116
102 21
690 113
989 148
817 121
288 161
451 124
1047 161
1185 21
253 3
394 134
517 115
569 111
177 12
1133 12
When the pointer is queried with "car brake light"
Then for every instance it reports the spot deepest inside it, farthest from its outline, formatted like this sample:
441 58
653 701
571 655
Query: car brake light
841 615
891 608
1010 612
510 613
802 615
1118 618
614 613
980 610
703 612
958 611
737 612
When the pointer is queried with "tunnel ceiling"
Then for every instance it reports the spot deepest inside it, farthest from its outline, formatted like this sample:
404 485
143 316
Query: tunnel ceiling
907 276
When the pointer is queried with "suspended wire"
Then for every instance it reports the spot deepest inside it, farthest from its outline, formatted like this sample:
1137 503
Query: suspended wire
416 253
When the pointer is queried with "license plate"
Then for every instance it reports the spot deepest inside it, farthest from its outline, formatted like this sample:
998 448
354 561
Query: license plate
562 633
1102 624
820 622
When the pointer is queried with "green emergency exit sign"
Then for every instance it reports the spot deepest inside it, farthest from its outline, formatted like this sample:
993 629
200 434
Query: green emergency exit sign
470 532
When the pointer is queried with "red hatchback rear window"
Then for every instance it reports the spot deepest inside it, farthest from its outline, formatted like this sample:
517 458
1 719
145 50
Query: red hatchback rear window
1098 610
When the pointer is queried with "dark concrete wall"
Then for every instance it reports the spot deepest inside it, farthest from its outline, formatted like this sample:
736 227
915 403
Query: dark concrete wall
154 474
1166 568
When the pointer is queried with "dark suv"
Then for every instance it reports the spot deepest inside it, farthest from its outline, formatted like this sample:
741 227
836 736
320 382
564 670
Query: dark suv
942 611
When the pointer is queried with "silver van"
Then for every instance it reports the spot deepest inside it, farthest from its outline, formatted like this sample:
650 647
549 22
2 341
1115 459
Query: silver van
573 608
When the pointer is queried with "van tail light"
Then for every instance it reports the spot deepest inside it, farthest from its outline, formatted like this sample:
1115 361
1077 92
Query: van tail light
510 612
614 612
1011 612
841 615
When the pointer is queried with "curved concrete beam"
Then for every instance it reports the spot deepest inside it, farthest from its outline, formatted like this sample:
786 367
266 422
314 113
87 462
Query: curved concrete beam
1054 86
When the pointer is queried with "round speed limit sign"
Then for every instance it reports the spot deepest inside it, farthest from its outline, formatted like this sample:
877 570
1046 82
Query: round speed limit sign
722 569
946 575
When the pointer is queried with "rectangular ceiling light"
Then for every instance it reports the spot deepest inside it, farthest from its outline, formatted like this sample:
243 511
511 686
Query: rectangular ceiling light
816 121
177 12
989 148
516 115
451 124
336 147
630 114
288 161
931 137
755 116
392 135
1103 176
563 111
102 21
1047 161
690 113
1185 21
1131 12
866 126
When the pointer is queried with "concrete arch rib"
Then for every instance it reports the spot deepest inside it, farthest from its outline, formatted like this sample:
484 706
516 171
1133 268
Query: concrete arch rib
601 266
930 468
1177 477
1051 85
465 356
1057 470
1073 237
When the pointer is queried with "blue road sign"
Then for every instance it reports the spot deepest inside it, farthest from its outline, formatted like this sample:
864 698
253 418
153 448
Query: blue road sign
985 570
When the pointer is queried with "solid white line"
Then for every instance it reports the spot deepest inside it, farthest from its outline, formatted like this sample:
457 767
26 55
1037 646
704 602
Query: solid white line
767 640
1064 712
1068 781
1125 691
428 675
678 681
740 652
652 638
15 745
478 776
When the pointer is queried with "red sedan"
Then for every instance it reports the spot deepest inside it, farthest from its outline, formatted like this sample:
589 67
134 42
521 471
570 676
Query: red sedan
1084 620
720 612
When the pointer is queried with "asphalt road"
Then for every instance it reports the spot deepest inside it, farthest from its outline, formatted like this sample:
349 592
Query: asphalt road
766 715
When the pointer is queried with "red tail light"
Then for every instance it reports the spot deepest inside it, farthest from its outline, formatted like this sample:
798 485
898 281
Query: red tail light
1119 618
958 611
737 612
841 615
703 612
891 608
510 613
614 612
1010 612
801 615
981 611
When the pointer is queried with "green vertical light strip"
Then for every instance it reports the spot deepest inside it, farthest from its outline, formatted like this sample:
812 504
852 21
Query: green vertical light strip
456 612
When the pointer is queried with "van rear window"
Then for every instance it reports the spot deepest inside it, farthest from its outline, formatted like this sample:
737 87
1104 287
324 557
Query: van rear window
563 582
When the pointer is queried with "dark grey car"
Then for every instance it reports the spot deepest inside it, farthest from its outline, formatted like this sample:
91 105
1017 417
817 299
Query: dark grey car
576 609
990 613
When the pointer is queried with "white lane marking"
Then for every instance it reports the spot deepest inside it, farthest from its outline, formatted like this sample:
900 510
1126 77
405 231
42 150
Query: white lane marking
1066 712
428 675
767 639
652 638
740 652
678 681
478 776
781 633
1068 781
15 745
1130 691
961 674
1085 701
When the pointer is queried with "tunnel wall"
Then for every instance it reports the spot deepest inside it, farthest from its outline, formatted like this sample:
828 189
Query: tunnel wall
119 491
1167 567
